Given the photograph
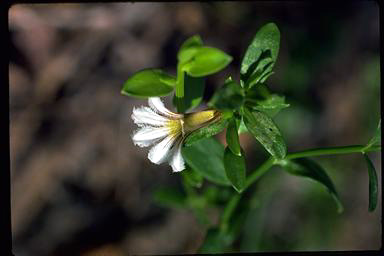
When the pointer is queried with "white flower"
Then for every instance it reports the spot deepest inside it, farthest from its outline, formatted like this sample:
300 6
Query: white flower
167 129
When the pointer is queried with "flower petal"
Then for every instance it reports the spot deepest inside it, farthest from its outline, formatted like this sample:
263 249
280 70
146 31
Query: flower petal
177 161
146 116
148 135
160 152
158 106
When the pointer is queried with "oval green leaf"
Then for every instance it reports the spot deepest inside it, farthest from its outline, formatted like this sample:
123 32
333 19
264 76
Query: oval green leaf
235 169
189 48
267 38
266 132
206 157
149 83
306 167
232 137
206 61
373 184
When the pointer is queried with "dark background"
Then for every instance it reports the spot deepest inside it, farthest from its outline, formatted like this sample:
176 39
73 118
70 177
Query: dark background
80 186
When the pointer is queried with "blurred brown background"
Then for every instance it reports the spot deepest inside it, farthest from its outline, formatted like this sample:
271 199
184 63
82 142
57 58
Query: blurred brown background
80 186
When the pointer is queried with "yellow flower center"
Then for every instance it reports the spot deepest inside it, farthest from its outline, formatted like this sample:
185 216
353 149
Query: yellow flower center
175 127
193 121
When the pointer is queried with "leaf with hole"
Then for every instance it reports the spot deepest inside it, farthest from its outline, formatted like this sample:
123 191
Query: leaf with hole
262 127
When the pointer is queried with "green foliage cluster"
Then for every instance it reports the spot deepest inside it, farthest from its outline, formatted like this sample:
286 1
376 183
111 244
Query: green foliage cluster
246 106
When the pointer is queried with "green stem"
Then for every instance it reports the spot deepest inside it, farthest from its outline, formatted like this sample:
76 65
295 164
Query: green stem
259 172
332 151
179 90
231 206
307 153
262 169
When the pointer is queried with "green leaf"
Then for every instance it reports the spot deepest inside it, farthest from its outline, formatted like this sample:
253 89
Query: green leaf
170 197
206 61
266 41
232 137
266 132
228 97
235 169
149 83
306 167
206 132
189 48
267 38
271 105
376 137
242 127
373 184
258 72
206 157
192 177
193 92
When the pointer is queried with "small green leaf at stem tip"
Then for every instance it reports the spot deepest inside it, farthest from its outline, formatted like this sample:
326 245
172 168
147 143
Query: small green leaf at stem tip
232 137
206 61
235 169
149 83
206 157
373 184
189 48
266 132
306 167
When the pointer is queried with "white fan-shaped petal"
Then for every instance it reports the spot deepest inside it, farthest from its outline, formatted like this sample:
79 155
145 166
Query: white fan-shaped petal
160 152
158 106
148 135
177 161
146 116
